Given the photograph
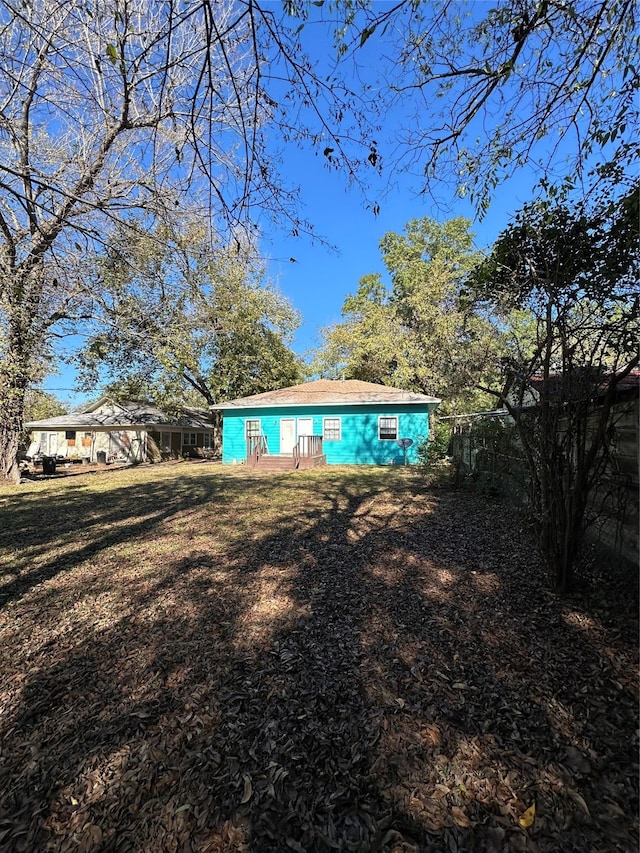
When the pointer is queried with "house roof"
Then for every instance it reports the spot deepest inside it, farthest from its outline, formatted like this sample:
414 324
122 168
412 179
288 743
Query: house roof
557 381
579 385
122 416
330 392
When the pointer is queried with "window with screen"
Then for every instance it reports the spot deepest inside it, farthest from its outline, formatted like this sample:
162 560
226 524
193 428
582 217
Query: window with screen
252 428
331 429
388 429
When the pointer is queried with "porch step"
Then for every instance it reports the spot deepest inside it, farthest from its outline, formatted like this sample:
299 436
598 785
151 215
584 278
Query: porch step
312 461
272 462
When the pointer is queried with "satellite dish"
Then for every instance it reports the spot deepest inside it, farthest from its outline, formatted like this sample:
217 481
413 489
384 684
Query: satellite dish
404 443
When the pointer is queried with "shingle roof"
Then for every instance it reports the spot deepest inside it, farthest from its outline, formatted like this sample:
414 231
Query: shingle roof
123 416
575 384
351 392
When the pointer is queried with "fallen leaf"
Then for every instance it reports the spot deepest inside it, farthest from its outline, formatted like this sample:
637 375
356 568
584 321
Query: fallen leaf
460 818
579 799
528 817
91 838
248 788
577 761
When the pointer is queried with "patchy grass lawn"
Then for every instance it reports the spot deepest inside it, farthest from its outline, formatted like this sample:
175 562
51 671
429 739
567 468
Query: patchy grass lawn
207 659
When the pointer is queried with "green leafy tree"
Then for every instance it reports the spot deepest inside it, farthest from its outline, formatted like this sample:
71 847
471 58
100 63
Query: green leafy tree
422 333
42 404
39 405
185 321
575 270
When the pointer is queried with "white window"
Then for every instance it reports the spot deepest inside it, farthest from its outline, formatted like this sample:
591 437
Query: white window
252 428
388 429
332 429
189 439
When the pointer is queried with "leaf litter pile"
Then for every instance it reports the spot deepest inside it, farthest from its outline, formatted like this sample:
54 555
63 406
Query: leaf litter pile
199 659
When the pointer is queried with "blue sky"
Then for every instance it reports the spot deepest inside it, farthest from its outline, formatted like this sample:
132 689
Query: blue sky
319 279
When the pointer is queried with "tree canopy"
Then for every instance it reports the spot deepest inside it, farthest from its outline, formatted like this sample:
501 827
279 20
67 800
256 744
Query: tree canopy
422 332
115 109
575 270
486 89
184 319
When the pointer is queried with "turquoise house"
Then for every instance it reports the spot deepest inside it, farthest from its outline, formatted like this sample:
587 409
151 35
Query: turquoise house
334 422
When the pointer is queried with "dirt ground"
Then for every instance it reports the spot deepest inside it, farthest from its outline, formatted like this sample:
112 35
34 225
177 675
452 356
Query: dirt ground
195 658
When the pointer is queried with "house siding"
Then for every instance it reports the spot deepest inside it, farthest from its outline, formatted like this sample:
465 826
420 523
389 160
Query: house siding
97 431
127 444
359 443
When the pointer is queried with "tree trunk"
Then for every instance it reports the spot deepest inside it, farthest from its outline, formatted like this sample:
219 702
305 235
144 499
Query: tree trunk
17 353
216 418
13 383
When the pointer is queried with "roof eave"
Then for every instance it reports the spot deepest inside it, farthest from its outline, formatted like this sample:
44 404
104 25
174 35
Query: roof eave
274 404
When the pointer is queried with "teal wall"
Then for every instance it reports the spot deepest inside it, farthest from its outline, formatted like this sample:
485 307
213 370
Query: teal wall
359 444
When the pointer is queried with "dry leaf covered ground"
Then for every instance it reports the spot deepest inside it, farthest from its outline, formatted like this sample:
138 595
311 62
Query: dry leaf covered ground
197 658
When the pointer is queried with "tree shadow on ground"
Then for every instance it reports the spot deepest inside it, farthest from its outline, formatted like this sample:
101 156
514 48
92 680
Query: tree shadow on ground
375 668
82 524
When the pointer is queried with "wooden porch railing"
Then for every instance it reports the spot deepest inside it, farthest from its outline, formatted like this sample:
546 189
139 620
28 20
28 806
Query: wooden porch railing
308 445
256 447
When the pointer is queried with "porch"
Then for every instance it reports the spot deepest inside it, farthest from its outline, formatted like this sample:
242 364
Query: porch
307 453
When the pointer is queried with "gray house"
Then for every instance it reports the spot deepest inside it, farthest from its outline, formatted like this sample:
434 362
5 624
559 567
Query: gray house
133 431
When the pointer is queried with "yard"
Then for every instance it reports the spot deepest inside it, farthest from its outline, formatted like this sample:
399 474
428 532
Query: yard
195 658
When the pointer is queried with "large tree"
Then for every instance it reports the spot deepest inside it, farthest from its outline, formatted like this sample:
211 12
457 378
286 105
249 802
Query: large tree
92 105
122 106
185 319
576 271
422 332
